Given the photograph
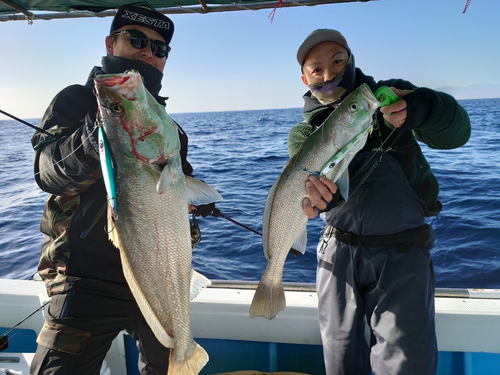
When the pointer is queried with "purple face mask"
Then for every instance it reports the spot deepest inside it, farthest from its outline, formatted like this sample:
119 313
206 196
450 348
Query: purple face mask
331 91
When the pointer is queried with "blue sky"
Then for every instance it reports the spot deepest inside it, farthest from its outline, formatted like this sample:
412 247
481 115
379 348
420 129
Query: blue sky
240 60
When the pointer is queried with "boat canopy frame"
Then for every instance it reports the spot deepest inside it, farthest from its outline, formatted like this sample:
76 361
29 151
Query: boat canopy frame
31 10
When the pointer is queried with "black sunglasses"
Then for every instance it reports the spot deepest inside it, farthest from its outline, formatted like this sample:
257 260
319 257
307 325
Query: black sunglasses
139 40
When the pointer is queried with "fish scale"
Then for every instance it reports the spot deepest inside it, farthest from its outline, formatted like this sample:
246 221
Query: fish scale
152 229
327 151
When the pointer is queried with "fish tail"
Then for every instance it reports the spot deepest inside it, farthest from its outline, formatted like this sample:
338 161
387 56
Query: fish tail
269 299
191 364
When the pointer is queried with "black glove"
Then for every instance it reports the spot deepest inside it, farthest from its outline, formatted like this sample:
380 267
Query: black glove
335 199
418 108
206 209
90 131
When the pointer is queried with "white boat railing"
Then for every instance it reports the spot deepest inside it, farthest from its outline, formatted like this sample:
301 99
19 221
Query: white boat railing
311 287
467 320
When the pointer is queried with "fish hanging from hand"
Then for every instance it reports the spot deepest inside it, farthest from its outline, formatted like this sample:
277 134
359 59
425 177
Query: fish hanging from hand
150 225
326 152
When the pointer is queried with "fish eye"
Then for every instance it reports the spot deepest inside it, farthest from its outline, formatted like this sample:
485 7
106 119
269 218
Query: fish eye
353 107
116 108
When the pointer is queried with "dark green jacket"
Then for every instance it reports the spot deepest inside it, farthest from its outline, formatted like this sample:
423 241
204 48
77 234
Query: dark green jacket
446 127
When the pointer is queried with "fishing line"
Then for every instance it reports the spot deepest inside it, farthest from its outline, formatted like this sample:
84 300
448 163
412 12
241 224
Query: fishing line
71 153
21 322
40 130
380 149
327 231
57 162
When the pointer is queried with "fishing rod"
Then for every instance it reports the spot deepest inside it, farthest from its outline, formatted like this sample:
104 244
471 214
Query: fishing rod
216 213
235 222
26 123
4 340
49 139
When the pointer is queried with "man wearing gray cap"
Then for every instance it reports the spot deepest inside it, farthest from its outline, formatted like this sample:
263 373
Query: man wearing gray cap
377 267
91 301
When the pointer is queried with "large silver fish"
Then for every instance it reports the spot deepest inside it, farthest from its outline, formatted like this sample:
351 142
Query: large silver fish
327 151
151 225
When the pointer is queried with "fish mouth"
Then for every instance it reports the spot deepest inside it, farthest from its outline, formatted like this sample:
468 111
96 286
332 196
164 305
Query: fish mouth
370 102
124 84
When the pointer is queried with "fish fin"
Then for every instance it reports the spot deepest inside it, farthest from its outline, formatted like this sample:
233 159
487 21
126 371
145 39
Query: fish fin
342 181
168 176
179 129
141 300
266 217
190 364
198 282
269 298
343 184
285 165
199 192
300 242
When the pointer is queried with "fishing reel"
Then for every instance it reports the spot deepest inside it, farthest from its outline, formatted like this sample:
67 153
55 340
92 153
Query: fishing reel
195 231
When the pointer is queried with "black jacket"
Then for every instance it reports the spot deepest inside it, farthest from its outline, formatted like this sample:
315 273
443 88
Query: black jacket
76 252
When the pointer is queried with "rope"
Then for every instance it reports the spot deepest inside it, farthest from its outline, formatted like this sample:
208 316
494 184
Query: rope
466 6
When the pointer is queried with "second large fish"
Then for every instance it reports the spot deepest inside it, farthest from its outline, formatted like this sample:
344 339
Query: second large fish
151 226
328 151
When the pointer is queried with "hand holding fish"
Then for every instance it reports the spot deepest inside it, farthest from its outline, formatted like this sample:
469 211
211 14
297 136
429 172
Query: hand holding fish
153 195
289 205
396 113
321 192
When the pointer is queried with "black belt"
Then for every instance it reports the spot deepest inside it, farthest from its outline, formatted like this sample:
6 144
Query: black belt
420 236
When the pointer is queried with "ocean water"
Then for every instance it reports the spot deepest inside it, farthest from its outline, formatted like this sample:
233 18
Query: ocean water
241 154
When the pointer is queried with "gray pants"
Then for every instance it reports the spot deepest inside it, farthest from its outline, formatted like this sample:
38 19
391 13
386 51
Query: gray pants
393 289
389 287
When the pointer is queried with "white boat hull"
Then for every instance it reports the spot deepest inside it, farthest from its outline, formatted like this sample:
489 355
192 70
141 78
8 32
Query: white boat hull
467 323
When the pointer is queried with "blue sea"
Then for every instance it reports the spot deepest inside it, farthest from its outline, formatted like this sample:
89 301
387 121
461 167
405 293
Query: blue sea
241 154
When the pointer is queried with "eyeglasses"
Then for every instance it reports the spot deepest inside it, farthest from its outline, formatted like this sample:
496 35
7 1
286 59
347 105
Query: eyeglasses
140 41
